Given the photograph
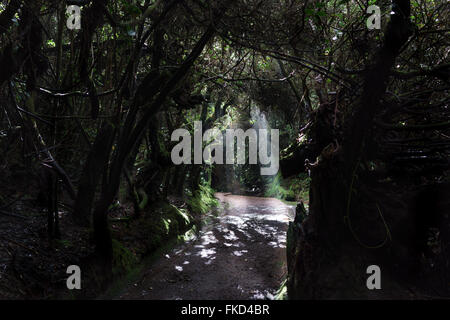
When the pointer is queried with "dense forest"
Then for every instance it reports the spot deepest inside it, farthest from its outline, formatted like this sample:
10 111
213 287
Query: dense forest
356 110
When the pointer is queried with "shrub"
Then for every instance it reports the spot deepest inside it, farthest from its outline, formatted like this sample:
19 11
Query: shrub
202 200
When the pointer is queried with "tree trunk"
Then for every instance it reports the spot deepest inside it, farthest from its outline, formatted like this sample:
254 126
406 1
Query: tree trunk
324 259
91 174
129 138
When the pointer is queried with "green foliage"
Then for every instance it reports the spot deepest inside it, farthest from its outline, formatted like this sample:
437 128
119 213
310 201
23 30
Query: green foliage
165 221
275 190
131 8
203 200
51 43
282 292
290 189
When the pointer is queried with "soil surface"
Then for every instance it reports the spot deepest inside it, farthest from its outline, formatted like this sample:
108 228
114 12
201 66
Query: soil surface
239 254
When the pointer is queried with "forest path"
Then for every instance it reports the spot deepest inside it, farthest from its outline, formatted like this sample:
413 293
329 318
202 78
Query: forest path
239 254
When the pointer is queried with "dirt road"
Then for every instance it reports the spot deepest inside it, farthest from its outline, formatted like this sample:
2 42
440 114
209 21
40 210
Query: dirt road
239 254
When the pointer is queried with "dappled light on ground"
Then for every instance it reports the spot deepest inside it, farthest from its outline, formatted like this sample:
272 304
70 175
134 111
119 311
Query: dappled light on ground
239 254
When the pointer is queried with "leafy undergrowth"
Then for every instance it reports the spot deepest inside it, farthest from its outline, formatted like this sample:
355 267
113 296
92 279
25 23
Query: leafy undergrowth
295 188
202 200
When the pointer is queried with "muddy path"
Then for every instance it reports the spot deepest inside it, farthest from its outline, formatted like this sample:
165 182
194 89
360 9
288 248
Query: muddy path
239 254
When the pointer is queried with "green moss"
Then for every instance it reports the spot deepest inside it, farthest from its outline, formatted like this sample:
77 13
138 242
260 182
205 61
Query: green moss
155 229
123 259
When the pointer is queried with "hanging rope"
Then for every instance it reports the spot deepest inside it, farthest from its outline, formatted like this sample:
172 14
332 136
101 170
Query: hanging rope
348 220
